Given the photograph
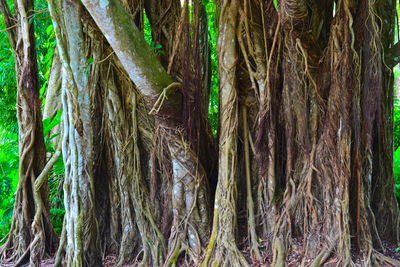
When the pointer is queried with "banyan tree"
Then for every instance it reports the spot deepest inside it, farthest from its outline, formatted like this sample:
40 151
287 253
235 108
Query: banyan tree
303 152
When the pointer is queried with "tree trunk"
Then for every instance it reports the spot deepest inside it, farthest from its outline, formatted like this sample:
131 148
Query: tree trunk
31 233
188 230
305 127
222 248
79 240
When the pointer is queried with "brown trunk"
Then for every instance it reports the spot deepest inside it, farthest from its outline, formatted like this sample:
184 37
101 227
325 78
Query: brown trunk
31 233
304 127
222 247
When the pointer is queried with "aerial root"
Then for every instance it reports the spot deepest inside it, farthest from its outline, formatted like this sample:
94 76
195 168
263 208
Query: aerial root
173 256
24 258
378 259
322 257
180 243
61 247
279 253
226 255
8 252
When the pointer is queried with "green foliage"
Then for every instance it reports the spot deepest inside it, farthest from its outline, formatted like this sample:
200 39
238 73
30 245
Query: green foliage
396 173
8 177
50 123
8 87
396 125
276 4
89 63
56 195
156 48
212 14
8 132
45 45
57 215
147 29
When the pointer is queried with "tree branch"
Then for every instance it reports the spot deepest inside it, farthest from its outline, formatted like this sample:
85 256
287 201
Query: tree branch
46 170
10 21
393 55
9 28
141 64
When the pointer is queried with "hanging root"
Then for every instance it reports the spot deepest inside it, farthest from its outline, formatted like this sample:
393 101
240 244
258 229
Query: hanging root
222 249
249 199
22 240
152 238
136 206
321 258
163 95
279 253
378 259
190 227
38 244
61 246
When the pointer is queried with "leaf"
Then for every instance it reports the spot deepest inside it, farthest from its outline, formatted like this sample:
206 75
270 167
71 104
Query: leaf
89 63
49 29
54 136
276 5
50 123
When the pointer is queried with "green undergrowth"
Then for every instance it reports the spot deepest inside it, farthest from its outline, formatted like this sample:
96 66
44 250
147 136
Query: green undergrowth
45 45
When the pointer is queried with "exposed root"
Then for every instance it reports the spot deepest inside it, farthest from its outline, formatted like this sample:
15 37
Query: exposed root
190 227
249 200
279 253
61 246
322 257
378 259
222 249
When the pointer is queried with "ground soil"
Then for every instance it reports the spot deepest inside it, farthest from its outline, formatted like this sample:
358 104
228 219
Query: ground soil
294 258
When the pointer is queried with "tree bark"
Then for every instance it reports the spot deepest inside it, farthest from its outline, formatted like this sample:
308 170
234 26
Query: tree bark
80 243
304 126
31 234
222 248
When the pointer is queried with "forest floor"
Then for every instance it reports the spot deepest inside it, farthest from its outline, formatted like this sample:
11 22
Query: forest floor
294 258
296 254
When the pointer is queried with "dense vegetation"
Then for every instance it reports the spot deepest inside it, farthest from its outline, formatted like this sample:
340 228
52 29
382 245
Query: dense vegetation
46 43
46 47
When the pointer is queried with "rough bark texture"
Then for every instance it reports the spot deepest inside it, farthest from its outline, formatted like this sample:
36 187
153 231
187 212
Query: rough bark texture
53 93
222 248
183 190
305 132
164 17
302 99
31 236
79 240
